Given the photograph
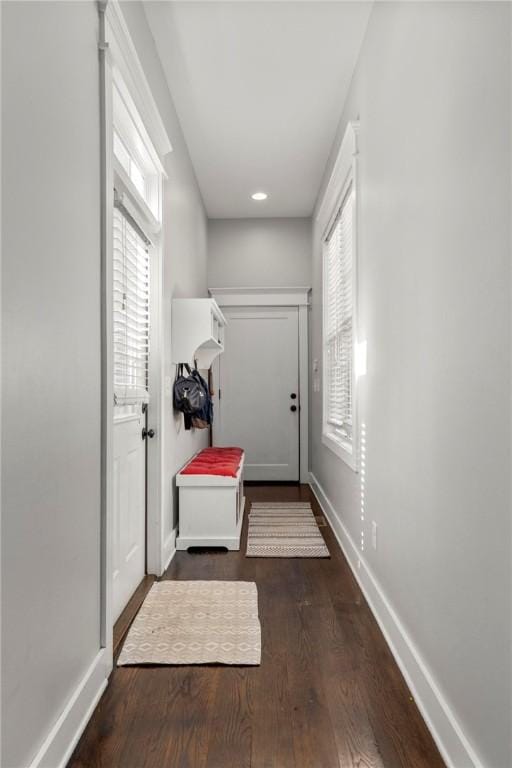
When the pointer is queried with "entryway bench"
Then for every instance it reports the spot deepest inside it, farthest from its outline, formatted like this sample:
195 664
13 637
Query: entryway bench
211 499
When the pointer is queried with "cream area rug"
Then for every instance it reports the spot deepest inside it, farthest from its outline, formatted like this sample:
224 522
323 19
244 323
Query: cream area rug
284 529
196 622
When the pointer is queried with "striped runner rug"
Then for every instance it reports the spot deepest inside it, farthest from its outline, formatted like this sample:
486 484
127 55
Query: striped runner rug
284 529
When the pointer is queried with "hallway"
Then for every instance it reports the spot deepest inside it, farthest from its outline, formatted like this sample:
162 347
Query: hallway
327 694
263 246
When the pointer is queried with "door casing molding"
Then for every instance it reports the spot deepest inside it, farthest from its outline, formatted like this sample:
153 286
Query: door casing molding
261 297
282 297
121 65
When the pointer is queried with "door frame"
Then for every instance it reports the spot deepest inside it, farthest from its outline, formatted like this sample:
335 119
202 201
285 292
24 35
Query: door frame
119 63
282 297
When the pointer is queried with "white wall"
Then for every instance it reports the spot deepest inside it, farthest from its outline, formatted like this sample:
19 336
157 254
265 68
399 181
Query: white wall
254 253
51 350
432 92
51 365
184 223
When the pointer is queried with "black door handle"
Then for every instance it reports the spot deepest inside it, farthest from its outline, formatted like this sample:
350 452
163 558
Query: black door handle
147 433
293 395
293 408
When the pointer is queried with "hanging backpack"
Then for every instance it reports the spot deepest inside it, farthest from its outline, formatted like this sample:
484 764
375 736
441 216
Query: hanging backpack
189 395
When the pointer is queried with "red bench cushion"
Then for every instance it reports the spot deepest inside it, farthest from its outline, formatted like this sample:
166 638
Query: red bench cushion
215 461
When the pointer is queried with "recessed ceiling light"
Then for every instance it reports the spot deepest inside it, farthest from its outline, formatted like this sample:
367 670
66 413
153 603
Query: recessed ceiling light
259 196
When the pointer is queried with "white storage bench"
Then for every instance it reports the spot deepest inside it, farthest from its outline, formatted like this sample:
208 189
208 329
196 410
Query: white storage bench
211 506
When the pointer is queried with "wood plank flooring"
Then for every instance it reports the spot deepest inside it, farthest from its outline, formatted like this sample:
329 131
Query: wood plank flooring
328 693
131 610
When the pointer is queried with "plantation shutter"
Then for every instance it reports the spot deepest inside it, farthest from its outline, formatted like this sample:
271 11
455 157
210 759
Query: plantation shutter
131 311
339 319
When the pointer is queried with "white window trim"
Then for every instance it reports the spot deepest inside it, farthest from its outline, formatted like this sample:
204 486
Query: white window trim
138 146
344 173
129 77
140 210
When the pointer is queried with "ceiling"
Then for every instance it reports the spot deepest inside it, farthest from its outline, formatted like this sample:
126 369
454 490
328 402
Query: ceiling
259 88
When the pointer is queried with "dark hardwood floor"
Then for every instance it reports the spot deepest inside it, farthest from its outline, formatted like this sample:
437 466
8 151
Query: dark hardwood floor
328 693
122 625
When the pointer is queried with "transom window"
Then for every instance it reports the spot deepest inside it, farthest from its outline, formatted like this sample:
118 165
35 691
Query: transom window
135 161
129 164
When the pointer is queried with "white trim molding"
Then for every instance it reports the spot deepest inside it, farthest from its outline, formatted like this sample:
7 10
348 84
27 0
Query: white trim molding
304 392
437 713
261 297
133 82
169 549
349 150
155 471
63 737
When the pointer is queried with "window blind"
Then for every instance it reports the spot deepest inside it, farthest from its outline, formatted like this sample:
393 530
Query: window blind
131 311
338 339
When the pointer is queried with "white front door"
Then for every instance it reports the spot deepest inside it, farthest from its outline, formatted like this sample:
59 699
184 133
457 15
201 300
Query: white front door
130 368
258 379
129 518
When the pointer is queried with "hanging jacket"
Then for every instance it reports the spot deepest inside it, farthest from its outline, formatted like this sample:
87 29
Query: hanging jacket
203 417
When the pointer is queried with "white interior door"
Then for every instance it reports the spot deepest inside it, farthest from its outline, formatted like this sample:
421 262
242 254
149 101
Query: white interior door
129 502
258 379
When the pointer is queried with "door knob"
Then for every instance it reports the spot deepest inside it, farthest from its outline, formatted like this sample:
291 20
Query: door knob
293 408
147 433
293 395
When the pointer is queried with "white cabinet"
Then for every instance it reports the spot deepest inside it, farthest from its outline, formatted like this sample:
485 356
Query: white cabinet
197 331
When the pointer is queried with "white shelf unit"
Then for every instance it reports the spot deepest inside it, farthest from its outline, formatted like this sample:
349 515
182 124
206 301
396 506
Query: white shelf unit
197 331
211 510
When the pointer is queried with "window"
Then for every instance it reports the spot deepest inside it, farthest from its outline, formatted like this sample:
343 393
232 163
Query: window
338 341
136 163
131 310
343 361
127 162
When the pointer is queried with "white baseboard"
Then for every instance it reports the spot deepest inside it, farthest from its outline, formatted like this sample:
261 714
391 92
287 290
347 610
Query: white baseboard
63 737
169 549
440 719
